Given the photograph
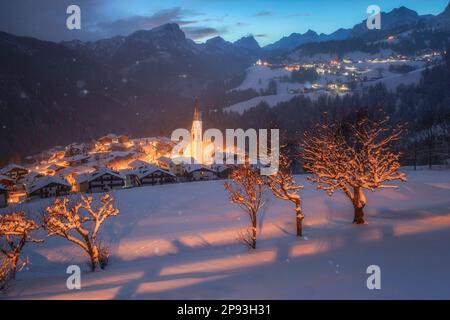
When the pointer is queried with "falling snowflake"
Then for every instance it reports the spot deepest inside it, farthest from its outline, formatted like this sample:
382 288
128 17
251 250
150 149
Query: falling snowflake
81 84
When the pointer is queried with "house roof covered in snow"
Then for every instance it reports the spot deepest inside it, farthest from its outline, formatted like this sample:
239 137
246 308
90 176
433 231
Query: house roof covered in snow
82 177
220 167
166 160
87 177
151 169
145 171
196 167
78 157
76 170
120 154
183 160
45 181
31 177
54 167
136 164
11 167
2 177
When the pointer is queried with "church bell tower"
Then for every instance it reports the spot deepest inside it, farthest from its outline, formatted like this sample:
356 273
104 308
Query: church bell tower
196 135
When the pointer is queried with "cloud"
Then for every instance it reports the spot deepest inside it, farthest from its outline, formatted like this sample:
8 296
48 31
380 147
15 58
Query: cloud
215 19
263 14
130 24
241 24
299 14
199 33
261 35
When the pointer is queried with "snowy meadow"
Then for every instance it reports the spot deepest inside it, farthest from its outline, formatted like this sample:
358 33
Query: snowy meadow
179 241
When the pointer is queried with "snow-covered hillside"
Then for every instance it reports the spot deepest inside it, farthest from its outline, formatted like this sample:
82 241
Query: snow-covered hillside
271 100
179 242
258 77
358 69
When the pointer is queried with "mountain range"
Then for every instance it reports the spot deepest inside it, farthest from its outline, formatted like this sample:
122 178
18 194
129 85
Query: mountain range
396 18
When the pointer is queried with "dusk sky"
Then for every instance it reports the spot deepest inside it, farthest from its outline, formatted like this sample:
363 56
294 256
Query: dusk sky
267 20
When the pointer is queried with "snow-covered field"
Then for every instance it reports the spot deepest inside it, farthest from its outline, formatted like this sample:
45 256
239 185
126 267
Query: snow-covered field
392 80
179 242
271 100
258 77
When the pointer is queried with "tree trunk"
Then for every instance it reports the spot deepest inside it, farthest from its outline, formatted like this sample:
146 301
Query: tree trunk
254 224
359 216
16 256
359 202
299 218
14 262
94 255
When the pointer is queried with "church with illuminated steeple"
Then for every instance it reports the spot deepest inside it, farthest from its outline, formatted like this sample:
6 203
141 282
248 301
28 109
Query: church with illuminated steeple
196 134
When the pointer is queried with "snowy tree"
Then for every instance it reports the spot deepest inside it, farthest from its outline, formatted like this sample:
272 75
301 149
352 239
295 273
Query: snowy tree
79 222
15 233
283 186
353 161
246 189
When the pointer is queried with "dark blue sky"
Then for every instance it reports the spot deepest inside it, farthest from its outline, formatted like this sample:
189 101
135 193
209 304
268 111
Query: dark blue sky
267 20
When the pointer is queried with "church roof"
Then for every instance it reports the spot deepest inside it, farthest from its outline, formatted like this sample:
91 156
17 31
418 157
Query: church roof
197 113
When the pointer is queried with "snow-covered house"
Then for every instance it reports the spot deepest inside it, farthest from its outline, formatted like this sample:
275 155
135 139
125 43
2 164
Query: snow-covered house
123 139
199 172
108 139
119 159
138 164
176 166
49 186
102 180
54 168
7 182
131 178
152 175
70 173
76 160
115 146
165 162
3 196
222 171
147 175
14 171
